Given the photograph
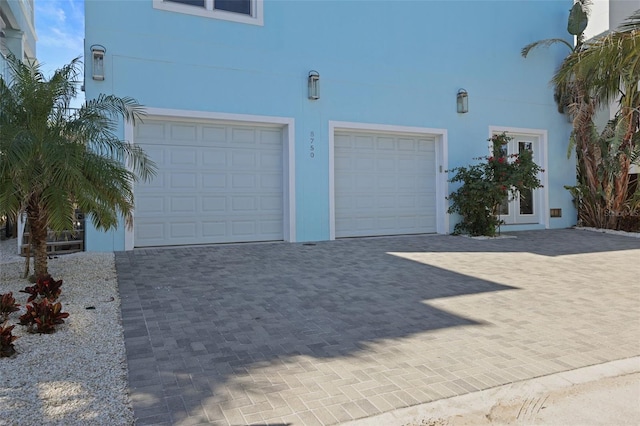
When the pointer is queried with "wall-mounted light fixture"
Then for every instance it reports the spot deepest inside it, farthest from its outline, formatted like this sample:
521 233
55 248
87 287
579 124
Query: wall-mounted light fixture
97 62
314 85
462 99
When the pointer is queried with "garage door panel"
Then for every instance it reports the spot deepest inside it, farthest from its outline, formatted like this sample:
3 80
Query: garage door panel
182 230
244 159
365 223
271 161
243 181
217 229
214 158
151 231
364 164
271 137
271 181
183 204
184 157
214 204
342 163
384 184
151 131
214 180
183 181
408 183
215 134
243 204
363 182
158 183
243 227
386 202
149 204
363 143
243 136
388 144
406 144
270 203
271 227
385 164
184 132
216 183
363 202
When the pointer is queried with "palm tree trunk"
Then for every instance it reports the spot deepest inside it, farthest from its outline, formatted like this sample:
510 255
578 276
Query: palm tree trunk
38 240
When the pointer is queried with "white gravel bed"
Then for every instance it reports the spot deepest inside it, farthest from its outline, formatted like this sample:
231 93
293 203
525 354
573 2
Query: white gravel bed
77 375
609 231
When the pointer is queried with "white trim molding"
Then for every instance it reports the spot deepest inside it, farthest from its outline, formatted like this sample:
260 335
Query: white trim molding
440 135
541 134
288 153
208 11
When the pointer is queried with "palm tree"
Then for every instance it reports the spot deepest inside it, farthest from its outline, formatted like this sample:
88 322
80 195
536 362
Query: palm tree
576 25
607 69
54 158
594 73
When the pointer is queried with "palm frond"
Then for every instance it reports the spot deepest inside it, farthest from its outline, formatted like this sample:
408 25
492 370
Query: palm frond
53 158
544 43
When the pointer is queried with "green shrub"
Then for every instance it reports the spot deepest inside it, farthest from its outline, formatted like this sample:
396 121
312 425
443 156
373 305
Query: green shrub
486 185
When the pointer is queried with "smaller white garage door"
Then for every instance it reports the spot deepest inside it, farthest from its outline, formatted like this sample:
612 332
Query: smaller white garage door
216 183
385 184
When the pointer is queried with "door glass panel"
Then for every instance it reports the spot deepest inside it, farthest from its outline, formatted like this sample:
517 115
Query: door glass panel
236 6
503 209
526 197
526 202
198 3
525 146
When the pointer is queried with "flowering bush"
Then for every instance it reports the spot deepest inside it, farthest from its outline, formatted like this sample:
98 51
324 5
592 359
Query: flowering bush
485 186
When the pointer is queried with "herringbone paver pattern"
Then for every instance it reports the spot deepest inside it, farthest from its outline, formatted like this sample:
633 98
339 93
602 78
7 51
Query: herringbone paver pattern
321 334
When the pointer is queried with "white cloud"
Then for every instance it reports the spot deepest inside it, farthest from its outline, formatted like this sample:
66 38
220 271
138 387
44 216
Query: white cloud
60 29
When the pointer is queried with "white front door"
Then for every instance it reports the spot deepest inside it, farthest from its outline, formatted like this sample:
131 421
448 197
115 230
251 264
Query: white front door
525 206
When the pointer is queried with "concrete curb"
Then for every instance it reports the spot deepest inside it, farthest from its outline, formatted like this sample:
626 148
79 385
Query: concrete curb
483 401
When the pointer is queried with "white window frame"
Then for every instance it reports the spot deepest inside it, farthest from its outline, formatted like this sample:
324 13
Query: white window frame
256 17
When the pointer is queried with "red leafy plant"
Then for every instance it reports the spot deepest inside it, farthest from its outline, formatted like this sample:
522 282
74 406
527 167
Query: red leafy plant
6 340
42 317
45 287
7 305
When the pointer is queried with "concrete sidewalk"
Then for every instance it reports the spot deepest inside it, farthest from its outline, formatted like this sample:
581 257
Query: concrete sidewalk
604 394
342 330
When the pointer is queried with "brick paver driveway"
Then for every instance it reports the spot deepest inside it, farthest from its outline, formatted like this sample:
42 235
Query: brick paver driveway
321 334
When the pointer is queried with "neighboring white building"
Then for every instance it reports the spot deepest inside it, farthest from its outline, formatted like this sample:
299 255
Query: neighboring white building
18 37
17 31
608 14
18 28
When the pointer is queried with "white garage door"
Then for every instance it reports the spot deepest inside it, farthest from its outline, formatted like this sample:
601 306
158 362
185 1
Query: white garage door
216 183
385 184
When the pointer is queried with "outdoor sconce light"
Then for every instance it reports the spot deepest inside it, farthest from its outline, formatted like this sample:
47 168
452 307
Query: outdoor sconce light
97 61
462 101
314 85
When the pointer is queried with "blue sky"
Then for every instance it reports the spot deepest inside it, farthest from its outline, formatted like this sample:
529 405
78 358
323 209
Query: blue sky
60 29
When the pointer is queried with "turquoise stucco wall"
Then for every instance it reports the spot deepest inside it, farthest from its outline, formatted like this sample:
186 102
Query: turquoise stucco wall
394 62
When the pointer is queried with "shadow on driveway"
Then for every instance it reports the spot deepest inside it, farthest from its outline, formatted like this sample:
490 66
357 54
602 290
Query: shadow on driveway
197 317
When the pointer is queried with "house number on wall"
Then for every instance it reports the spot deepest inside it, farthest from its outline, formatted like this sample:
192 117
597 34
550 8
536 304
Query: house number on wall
311 147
